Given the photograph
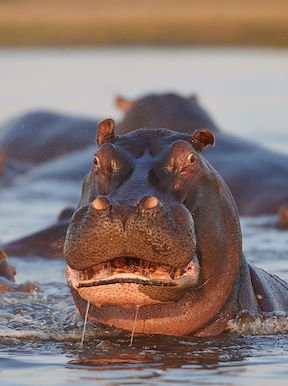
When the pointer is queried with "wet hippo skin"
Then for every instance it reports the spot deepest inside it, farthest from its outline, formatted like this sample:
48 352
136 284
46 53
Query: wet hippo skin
47 242
282 218
155 242
38 137
257 177
6 269
7 274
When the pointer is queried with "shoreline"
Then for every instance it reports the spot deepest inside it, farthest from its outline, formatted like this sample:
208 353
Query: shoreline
32 23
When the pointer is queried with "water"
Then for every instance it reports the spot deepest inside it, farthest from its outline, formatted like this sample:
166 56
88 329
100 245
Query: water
246 90
40 333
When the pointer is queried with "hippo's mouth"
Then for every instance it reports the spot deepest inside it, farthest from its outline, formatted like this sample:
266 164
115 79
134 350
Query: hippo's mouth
106 283
135 270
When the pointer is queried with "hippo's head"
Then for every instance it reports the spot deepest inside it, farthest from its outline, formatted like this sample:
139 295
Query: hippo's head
173 111
156 230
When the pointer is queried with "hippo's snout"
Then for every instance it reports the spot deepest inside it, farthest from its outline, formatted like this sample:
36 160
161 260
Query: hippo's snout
149 231
147 250
148 247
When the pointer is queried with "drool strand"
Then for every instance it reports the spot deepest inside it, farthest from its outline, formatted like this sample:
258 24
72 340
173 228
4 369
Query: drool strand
134 326
85 323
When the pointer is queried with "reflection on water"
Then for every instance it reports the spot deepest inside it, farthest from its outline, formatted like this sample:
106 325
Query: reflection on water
152 360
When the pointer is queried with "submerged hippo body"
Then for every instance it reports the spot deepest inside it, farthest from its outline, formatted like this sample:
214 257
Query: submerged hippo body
257 177
155 243
46 243
7 274
282 218
38 137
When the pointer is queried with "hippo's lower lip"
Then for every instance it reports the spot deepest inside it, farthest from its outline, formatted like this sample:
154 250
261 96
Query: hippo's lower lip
141 282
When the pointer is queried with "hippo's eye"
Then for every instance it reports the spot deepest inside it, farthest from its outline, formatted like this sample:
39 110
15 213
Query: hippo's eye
190 158
96 162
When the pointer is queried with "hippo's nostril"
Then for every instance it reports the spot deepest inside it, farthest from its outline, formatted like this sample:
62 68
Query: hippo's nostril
149 202
100 203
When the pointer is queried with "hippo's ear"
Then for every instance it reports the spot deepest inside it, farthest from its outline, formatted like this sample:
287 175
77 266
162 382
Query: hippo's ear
105 131
123 103
2 255
202 138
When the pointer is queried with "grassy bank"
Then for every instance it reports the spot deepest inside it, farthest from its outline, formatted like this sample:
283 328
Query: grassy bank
100 22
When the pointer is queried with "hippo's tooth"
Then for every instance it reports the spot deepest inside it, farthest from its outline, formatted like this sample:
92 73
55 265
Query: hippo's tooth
85 275
152 268
103 271
172 273
108 268
178 273
162 271
194 264
141 267
146 267
193 267
184 277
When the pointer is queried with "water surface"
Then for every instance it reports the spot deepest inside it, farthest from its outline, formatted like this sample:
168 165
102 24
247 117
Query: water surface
246 90
40 333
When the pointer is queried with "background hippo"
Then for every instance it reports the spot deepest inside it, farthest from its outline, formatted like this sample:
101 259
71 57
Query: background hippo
282 218
7 274
47 242
38 137
257 177
155 243
165 110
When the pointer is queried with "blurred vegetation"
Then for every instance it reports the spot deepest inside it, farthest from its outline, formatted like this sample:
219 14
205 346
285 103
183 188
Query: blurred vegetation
101 22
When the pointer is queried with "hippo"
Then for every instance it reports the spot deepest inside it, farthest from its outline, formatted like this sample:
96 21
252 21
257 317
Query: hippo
46 243
6 269
155 246
57 180
282 218
2 163
7 278
40 136
257 177
165 110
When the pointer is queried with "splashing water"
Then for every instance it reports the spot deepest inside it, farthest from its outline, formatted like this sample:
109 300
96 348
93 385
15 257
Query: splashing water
268 324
